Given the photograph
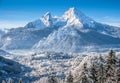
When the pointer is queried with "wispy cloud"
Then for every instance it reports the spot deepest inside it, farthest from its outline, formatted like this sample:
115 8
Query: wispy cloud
110 20
8 24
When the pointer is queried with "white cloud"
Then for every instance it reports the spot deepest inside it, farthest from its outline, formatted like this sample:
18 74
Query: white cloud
12 24
113 24
109 20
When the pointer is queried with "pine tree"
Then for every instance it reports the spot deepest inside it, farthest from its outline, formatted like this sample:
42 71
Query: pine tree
10 80
84 78
52 79
93 73
118 76
20 81
118 71
101 71
3 81
84 75
110 67
70 78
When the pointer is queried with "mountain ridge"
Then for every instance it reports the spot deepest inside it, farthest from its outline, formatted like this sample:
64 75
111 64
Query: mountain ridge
71 31
76 17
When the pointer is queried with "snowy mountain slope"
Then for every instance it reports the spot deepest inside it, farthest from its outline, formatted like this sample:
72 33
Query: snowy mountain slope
12 69
4 53
73 40
79 31
79 20
2 32
8 64
23 38
72 31
26 37
43 22
46 20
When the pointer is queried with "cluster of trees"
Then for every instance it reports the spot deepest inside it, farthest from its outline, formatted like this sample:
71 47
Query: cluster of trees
11 81
107 70
53 79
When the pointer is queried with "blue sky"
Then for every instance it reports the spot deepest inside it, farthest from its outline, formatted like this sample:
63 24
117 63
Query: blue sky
14 13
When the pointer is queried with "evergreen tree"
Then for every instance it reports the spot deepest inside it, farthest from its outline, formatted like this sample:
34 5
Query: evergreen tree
52 79
101 71
3 81
84 75
84 78
118 71
10 80
93 73
118 75
20 81
70 78
110 67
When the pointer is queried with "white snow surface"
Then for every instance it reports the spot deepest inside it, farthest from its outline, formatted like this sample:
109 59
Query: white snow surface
77 18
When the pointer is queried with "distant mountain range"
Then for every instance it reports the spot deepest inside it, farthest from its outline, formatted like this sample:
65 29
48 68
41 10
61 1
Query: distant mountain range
69 33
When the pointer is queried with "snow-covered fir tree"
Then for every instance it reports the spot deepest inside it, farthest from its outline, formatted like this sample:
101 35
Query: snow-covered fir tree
70 78
110 67
84 75
93 73
101 71
3 81
20 81
10 80
52 79
117 72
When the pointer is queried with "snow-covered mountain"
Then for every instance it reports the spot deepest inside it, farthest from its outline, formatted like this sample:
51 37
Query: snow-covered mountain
23 38
2 32
76 18
79 32
43 22
12 69
46 20
4 53
71 32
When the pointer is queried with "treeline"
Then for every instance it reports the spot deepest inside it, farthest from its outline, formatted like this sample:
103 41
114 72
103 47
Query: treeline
107 70
12 81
